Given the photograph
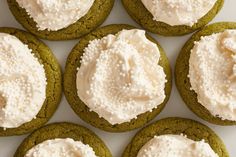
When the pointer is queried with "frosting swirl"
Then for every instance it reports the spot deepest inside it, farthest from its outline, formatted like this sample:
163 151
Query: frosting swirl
22 83
177 146
212 73
178 12
119 77
54 15
61 148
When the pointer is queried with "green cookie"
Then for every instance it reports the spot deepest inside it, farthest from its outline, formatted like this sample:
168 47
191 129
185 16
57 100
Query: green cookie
53 89
94 18
142 16
64 130
73 62
176 126
182 71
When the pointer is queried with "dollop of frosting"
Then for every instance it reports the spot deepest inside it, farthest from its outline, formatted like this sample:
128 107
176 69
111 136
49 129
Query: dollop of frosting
61 148
119 77
212 73
175 146
178 12
22 83
54 15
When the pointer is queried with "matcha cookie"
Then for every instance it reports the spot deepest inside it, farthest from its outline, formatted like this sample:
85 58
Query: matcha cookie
137 10
53 81
84 112
176 126
182 72
95 16
64 131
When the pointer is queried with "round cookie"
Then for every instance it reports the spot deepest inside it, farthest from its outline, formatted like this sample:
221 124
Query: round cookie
94 18
182 70
53 89
142 16
64 130
194 130
81 109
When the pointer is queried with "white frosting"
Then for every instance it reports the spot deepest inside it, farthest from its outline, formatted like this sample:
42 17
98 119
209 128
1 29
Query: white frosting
55 14
22 83
212 73
61 148
178 12
119 77
175 146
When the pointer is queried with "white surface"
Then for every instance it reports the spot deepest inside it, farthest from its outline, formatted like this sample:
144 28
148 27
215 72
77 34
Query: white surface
175 107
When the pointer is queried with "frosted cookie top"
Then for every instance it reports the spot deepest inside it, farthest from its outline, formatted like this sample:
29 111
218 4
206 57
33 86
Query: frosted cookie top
22 83
119 77
175 146
178 12
61 148
212 73
54 15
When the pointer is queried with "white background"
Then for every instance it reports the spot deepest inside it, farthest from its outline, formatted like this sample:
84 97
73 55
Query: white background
175 107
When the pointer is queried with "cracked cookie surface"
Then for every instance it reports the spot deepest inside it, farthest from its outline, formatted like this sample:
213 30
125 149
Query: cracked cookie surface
53 88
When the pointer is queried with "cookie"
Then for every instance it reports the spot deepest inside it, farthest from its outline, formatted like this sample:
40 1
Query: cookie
182 71
142 16
73 62
64 130
176 126
53 88
95 17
